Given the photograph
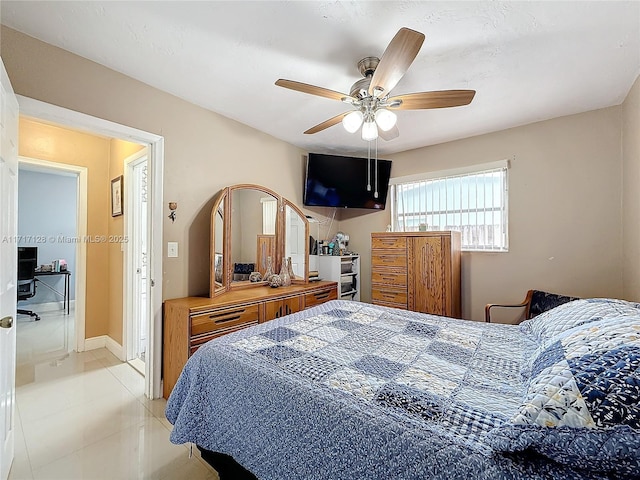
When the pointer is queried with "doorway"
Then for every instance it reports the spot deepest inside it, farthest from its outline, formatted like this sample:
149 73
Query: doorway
48 222
136 292
155 148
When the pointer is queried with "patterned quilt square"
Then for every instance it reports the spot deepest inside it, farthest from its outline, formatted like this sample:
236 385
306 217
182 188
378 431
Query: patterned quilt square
280 334
365 316
338 312
303 326
355 383
378 366
391 322
610 385
328 333
340 355
322 319
497 367
488 400
410 401
427 382
313 368
440 367
279 353
417 341
251 344
462 420
374 333
450 352
305 343
364 345
346 325
465 338
404 354
419 328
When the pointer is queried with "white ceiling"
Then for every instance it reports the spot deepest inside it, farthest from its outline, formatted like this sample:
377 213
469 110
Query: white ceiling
528 61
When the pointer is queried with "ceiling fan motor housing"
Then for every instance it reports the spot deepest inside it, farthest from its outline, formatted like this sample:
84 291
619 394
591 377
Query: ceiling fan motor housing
366 67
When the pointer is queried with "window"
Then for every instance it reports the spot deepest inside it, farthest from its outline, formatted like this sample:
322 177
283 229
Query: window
473 202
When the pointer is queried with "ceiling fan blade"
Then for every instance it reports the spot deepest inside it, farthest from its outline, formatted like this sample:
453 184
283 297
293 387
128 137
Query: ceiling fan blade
327 123
389 134
312 89
395 61
436 99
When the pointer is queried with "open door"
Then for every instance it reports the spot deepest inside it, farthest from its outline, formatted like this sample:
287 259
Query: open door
8 267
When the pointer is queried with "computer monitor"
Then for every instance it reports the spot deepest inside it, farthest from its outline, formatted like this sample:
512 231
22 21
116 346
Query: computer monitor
27 262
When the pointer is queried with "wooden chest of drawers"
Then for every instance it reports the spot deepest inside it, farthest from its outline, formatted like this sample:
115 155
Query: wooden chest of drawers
190 322
418 271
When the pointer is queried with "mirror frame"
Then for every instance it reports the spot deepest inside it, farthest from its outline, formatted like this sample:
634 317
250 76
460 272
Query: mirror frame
226 195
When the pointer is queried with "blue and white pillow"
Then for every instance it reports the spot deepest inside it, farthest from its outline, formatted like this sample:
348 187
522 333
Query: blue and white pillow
554 322
582 406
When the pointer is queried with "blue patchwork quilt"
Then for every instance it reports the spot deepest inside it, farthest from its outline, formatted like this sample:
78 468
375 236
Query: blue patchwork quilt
348 390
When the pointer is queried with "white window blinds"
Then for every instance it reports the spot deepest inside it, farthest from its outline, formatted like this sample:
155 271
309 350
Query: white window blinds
471 202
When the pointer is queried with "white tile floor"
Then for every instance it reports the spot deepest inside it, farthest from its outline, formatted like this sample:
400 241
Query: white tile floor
85 416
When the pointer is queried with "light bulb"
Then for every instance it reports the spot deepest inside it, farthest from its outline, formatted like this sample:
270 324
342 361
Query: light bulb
385 119
369 131
352 121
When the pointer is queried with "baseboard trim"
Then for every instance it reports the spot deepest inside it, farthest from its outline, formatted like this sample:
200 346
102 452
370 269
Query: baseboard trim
105 341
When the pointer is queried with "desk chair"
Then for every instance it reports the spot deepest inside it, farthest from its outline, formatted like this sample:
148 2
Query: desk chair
536 302
27 261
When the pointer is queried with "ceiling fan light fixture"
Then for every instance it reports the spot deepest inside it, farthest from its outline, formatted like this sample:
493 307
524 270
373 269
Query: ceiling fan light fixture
385 119
369 131
352 121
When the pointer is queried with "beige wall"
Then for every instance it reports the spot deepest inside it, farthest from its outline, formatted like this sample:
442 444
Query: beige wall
631 192
47 142
565 180
565 199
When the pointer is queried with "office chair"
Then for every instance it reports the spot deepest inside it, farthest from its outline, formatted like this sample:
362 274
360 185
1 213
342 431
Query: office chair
536 302
27 261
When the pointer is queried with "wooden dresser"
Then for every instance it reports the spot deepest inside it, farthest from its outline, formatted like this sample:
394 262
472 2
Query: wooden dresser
417 271
192 321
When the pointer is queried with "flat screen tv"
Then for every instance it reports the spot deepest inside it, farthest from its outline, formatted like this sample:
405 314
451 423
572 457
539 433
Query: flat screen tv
337 181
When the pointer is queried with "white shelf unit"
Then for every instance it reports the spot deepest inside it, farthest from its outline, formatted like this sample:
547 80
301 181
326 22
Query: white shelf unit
344 269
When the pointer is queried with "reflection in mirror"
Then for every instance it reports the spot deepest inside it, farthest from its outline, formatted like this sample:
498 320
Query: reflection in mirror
253 231
218 249
295 241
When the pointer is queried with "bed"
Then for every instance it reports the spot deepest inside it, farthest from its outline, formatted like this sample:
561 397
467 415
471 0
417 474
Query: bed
348 390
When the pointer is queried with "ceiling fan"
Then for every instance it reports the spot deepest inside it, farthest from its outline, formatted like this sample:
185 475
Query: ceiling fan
369 96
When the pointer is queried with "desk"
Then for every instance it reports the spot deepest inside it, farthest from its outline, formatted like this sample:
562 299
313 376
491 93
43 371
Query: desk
65 295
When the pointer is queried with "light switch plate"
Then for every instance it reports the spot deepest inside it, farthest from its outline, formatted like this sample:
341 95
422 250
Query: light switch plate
172 249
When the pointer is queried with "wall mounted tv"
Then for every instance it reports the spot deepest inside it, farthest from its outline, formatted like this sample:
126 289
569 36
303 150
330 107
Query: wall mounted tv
337 181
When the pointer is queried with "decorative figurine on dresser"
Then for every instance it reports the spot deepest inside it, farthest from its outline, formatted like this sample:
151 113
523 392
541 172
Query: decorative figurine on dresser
279 230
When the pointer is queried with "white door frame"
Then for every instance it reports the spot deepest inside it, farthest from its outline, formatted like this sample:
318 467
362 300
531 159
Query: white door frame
63 116
129 267
81 246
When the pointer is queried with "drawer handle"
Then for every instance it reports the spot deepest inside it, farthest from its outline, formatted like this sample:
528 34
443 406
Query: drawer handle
320 296
224 320
389 295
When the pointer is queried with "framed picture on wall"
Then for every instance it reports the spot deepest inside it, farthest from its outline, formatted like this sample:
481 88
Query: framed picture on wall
117 200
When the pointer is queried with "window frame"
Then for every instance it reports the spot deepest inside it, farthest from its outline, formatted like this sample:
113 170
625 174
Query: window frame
458 172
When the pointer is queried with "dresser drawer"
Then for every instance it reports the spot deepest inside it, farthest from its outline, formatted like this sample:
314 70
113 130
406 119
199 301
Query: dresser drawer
389 242
223 319
196 343
385 258
389 295
316 298
385 276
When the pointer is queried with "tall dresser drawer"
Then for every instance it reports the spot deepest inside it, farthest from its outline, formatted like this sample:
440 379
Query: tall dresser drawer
385 258
389 295
223 319
384 276
389 242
